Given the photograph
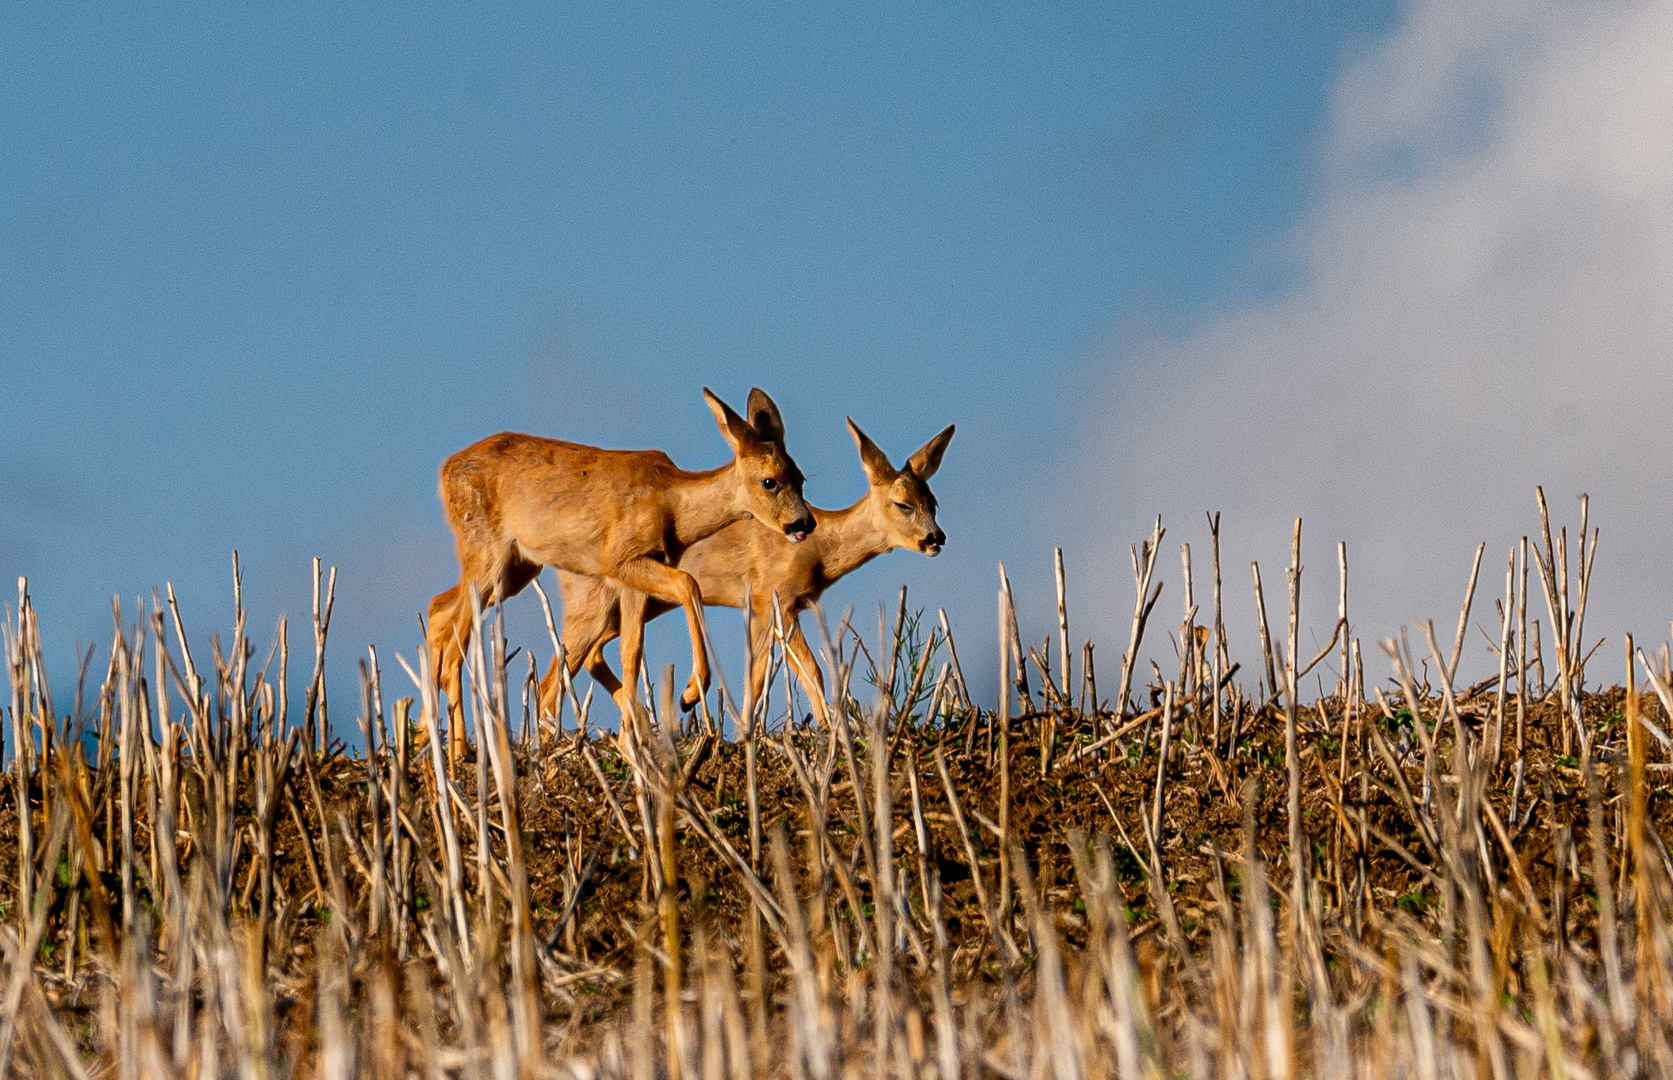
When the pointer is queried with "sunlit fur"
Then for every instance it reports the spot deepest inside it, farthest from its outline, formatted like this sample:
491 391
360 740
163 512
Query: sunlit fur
898 511
517 503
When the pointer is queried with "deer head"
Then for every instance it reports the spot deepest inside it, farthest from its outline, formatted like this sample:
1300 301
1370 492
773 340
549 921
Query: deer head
900 500
769 485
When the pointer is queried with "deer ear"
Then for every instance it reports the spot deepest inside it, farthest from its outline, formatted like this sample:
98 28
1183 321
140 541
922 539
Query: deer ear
874 461
928 458
764 417
734 428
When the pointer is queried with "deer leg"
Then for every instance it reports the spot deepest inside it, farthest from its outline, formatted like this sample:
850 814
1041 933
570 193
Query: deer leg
807 670
448 635
495 573
633 653
587 627
550 690
761 655
596 666
599 669
661 582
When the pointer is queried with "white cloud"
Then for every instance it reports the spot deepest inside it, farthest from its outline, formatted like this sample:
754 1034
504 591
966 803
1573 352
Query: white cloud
1486 304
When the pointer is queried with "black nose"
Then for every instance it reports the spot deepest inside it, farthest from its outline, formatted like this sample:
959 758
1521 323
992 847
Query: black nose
798 529
938 538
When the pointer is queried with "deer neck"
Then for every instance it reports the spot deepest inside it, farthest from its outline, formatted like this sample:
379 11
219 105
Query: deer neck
705 503
847 539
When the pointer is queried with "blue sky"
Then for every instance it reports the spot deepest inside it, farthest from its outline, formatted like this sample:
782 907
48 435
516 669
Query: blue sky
261 270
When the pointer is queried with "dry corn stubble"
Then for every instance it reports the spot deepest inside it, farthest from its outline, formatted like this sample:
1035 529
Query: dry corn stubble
1454 896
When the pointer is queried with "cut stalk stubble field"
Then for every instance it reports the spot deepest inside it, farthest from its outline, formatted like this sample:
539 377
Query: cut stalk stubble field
1407 879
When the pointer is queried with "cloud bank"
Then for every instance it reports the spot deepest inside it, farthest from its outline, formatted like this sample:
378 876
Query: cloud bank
1484 303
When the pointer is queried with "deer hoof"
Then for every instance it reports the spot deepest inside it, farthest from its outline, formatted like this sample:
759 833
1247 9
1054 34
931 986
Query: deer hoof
693 694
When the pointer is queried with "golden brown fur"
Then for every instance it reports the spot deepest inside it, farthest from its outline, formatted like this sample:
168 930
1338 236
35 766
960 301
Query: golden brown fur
897 512
517 503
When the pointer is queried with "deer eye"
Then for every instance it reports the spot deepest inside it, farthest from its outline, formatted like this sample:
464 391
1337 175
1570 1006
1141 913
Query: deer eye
903 508
770 484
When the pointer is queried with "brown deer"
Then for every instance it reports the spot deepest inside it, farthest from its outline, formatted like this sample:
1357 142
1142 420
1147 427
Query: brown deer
748 559
517 503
